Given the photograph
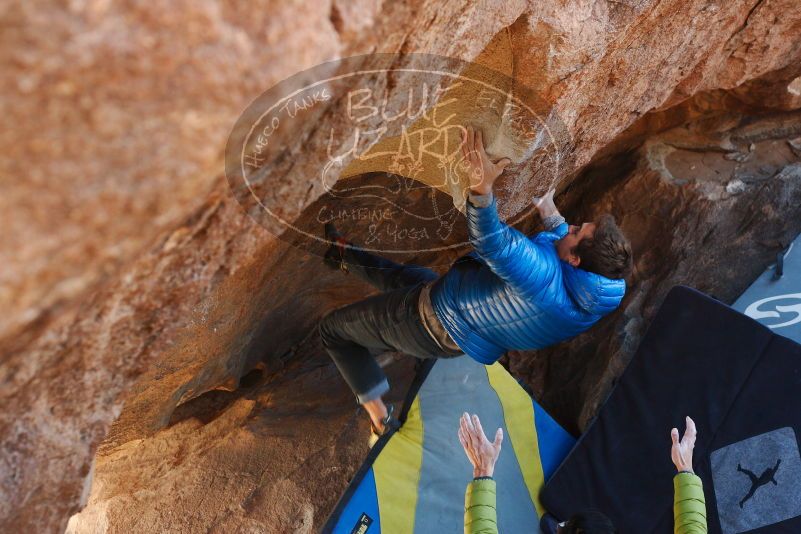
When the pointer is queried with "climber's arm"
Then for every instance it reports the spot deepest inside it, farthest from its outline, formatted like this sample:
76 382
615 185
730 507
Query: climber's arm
509 253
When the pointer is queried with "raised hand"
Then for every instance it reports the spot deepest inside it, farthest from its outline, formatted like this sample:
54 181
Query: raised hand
545 204
682 451
480 451
483 172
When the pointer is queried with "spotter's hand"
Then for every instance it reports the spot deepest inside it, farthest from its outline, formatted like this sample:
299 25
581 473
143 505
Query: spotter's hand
481 452
682 451
483 172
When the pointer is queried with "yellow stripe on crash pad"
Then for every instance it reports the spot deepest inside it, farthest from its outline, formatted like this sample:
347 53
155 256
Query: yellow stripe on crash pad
518 414
397 473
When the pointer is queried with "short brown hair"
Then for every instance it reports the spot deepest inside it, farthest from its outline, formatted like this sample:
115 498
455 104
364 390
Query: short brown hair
608 252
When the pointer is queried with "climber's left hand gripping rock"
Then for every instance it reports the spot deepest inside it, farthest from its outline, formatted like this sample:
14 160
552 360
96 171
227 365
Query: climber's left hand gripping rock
483 171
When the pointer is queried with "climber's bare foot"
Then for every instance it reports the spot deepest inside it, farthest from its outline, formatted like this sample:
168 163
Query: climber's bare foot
380 425
378 413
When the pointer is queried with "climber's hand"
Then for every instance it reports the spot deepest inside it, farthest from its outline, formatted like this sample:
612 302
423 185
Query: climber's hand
483 172
479 450
545 204
682 451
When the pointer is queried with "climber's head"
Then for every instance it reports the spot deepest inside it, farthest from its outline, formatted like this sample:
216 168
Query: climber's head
597 247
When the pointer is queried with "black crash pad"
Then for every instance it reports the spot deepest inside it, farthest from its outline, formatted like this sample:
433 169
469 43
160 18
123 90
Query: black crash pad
739 382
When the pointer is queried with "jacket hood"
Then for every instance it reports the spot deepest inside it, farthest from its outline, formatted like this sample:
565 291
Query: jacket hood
595 294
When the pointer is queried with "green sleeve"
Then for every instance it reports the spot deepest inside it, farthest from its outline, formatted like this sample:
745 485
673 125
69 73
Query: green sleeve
689 506
479 507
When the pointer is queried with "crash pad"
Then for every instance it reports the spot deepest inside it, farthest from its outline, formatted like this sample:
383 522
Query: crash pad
774 299
739 381
414 480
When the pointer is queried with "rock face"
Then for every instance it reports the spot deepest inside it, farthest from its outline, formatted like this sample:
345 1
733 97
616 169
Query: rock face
159 367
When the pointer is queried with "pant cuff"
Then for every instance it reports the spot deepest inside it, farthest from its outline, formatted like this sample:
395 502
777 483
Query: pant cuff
374 392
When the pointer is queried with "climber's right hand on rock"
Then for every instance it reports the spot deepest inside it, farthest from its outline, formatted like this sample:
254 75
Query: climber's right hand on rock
483 172
545 204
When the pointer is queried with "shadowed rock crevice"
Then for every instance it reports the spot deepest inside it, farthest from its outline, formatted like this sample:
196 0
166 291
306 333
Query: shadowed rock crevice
208 406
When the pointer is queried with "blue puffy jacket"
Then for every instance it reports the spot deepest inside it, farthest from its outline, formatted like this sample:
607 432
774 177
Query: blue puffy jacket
513 291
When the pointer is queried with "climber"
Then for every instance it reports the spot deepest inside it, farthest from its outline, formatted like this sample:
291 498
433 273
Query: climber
512 292
480 517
